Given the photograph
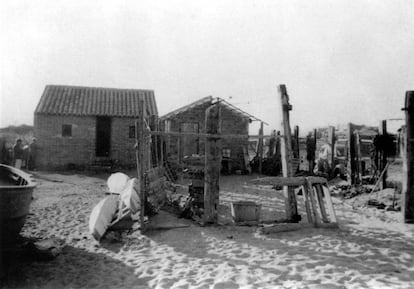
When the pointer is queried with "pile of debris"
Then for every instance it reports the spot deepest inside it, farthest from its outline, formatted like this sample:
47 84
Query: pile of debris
182 204
365 196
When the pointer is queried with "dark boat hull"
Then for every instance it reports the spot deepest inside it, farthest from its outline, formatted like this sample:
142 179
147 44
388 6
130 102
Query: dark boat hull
15 201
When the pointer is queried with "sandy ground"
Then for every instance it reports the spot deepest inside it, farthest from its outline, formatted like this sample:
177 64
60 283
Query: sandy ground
371 248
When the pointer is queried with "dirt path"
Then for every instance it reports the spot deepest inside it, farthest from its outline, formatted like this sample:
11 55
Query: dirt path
365 252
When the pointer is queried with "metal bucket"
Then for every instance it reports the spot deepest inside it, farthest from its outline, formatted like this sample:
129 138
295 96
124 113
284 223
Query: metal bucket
245 211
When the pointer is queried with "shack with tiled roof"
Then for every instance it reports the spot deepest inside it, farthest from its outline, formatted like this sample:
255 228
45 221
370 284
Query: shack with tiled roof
78 126
191 119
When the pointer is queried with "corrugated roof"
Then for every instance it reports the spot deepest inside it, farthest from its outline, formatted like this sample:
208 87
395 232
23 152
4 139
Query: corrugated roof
82 101
210 99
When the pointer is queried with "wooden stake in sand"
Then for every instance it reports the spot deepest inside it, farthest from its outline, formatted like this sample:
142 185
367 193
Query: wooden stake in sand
296 151
384 154
358 158
286 151
331 137
140 152
212 165
408 166
260 147
350 167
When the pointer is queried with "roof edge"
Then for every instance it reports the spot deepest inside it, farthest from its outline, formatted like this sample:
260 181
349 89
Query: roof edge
187 107
95 87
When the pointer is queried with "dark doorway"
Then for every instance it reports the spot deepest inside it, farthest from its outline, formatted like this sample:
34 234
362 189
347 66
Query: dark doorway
103 136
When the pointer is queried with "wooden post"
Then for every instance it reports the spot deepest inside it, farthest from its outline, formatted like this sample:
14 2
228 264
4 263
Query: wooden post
212 165
286 153
260 147
408 161
296 133
154 143
331 139
147 155
384 154
180 159
161 140
358 158
272 142
311 150
277 144
157 143
167 128
140 152
350 168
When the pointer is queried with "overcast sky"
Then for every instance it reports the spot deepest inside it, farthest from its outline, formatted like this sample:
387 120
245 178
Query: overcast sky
342 61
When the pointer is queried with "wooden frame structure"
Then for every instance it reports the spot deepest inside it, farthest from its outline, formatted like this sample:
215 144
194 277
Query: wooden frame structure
318 203
144 135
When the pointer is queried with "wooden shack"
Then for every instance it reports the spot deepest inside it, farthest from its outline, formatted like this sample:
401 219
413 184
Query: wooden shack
191 119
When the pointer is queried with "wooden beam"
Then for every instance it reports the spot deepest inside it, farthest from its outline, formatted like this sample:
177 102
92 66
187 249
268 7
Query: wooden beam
315 218
140 151
329 205
311 150
180 158
286 150
350 155
296 149
280 181
320 194
331 137
287 181
260 147
161 146
202 135
308 210
167 128
408 165
212 165
317 180
154 143
286 227
384 154
358 157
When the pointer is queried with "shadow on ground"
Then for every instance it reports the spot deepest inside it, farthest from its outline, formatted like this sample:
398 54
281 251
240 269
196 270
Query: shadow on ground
72 268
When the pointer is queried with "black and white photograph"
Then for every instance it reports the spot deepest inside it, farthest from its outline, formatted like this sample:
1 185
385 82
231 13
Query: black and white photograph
220 144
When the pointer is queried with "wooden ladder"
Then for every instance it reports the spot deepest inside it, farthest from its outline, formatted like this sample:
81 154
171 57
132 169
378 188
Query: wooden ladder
318 203
167 172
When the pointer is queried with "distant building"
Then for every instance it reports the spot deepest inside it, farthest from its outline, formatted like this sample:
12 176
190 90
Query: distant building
191 118
83 125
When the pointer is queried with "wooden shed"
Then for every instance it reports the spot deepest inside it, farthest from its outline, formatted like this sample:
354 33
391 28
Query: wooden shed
82 126
191 119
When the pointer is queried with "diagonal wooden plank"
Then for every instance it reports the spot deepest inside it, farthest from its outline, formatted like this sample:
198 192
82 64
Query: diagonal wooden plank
320 195
329 204
316 219
307 205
